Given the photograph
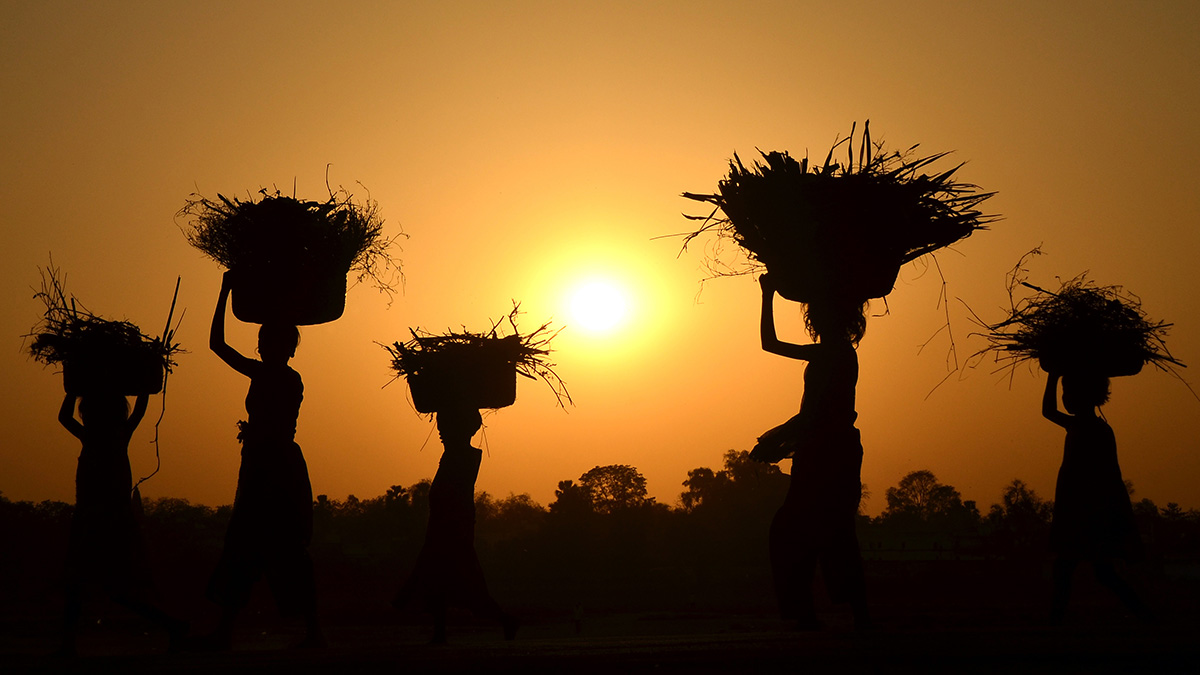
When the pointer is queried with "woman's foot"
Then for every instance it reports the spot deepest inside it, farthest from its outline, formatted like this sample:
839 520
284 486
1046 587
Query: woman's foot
312 641
510 624
177 632
809 622
862 619
214 642
314 637
65 651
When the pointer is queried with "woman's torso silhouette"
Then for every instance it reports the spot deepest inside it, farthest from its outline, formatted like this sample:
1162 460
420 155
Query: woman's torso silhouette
273 486
452 497
830 380
447 571
273 401
1093 516
823 432
106 545
271 525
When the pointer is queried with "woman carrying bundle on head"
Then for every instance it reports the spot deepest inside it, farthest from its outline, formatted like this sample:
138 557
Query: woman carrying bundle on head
1084 334
816 522
288 262
106 549
453 376
271 525
832 235
103 362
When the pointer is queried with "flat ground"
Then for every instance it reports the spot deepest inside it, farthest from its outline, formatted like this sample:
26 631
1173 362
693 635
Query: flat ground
957 641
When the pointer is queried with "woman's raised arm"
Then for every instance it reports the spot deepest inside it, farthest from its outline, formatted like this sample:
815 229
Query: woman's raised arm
1050 402
770 341
66 416
216 336
139 411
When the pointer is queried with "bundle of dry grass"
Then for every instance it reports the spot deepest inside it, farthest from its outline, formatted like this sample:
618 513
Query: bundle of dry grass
475 369
1081 328
272 229
837 229
96 354
291 257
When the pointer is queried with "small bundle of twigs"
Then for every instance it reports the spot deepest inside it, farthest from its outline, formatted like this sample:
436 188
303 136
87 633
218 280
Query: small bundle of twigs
869 215
69 333
1081 327
271 230
455 353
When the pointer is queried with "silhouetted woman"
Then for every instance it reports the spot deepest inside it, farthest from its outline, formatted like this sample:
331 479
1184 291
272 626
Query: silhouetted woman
106 549
1093 518
447 572
816 523
271 525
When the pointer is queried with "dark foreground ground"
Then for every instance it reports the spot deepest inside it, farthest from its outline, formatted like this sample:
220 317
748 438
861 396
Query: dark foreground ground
1101 641
931 617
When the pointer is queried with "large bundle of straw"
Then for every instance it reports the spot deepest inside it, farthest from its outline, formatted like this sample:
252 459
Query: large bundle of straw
475 370
290 257
98 355
1082 328
838 230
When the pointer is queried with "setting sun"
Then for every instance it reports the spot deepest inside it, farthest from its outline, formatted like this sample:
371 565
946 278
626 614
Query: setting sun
599 306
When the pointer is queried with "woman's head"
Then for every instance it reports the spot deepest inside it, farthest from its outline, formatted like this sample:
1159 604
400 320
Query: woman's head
97 410
458 425
1083 392
834 319
278 341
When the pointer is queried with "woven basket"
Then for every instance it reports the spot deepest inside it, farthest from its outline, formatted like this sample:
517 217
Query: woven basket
114 371
293 295
461 383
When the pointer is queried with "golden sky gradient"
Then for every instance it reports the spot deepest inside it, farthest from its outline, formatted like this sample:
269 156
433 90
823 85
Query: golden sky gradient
528 146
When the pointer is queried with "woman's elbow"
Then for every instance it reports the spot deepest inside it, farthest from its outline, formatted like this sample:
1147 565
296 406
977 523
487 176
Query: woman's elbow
778 349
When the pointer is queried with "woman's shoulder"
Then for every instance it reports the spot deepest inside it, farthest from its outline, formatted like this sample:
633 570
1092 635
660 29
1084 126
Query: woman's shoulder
839 352
293 375
281 373
843 348
1088 426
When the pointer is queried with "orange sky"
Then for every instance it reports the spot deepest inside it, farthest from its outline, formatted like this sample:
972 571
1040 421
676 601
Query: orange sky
526 145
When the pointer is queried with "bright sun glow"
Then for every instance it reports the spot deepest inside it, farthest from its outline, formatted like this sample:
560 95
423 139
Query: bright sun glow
599 306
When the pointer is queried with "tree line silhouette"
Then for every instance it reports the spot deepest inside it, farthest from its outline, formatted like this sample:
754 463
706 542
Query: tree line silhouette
604 544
